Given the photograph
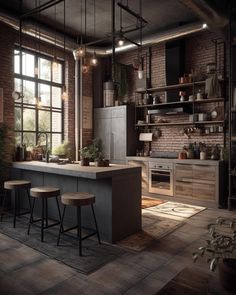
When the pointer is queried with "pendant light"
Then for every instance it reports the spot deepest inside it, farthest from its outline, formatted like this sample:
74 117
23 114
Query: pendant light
64 92
140 69
80 52
121 39
94 60
54 62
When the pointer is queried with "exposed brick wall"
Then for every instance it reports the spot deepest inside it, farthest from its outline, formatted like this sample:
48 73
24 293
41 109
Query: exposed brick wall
200 50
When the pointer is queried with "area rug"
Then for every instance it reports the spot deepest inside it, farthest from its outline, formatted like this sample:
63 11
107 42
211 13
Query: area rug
94 255
150 202
159 221
178 209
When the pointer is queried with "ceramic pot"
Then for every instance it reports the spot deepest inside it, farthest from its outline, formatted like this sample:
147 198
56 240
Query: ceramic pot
227 273
84 162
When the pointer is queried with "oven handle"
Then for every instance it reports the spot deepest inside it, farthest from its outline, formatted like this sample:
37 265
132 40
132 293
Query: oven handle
159 170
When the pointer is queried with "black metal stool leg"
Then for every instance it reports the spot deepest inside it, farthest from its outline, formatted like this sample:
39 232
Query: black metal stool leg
46 211
61 225
31 216
3 203
99 241
79 229
42 221
59 211
28 194
15 208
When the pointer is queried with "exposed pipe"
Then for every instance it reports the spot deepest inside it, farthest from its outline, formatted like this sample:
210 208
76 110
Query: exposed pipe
48 36
203 10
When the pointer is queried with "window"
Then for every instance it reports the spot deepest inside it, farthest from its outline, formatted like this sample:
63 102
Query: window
40 108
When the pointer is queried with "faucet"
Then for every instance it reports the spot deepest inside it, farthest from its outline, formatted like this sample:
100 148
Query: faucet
46 137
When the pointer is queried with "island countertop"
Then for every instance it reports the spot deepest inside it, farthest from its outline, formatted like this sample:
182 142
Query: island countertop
76 170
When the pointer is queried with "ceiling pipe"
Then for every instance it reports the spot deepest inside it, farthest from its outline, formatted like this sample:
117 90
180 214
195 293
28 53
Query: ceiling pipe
203 10
48 36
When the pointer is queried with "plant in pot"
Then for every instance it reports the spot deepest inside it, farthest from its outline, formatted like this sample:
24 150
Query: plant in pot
85 156
219 250
63 150
96 149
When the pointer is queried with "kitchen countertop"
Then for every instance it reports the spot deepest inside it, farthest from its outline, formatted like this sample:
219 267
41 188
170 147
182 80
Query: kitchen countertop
184 161
77 170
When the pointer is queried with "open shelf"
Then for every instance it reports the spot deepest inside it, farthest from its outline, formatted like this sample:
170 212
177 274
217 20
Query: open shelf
180 123
169 87
180 103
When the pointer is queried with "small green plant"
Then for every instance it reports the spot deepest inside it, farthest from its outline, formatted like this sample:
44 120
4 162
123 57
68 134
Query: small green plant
94 151
64 149
221 242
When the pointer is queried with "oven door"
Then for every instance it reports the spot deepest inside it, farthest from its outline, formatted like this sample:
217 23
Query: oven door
161 181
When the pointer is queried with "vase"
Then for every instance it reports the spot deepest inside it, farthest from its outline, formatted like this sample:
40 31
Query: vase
84 162
227 273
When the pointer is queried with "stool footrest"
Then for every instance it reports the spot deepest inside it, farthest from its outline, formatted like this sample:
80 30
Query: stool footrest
90 235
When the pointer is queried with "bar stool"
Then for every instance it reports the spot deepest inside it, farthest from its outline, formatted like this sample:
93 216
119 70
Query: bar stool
78 199
16 186
43 193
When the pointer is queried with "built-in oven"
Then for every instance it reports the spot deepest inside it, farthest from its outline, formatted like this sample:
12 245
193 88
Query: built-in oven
161 178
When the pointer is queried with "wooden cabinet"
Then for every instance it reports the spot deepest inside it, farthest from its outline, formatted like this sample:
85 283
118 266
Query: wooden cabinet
197 181
115 127
144 165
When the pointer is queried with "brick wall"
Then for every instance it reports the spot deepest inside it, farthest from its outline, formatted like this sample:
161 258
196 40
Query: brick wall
200 50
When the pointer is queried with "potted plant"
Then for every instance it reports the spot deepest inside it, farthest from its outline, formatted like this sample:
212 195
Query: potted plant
219 250
85 156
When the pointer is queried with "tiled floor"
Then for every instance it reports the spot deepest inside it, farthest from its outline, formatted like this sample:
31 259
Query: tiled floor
25 271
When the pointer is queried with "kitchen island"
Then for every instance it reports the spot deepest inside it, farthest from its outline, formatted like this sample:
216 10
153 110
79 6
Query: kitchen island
117 189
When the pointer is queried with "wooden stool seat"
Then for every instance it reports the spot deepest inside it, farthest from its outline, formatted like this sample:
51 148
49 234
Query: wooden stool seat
77 199
44 192
17 184
15 188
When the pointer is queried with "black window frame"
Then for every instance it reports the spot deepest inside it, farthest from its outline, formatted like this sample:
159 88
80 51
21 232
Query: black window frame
22 105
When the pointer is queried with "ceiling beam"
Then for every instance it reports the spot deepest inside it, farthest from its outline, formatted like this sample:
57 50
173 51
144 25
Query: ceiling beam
205 12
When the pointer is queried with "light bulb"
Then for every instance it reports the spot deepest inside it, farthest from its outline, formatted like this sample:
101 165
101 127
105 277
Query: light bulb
121 42
79 52
140 74
94 60
85 68
64 95
204 25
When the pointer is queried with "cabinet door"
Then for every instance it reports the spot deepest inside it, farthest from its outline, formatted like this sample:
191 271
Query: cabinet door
204 172
183 172
183 189
102 130
118 137
204 182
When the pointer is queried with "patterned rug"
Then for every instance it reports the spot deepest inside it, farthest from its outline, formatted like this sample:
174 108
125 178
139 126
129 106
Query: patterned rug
94 255
157 222
150 202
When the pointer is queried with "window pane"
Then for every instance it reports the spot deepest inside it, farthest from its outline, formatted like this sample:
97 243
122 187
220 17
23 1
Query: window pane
17 119
29 92
56 97
56 122
44 121
17 85
17 138
17 61
29 119
28 64
44 69
29 138
57 73
56 140
44 93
